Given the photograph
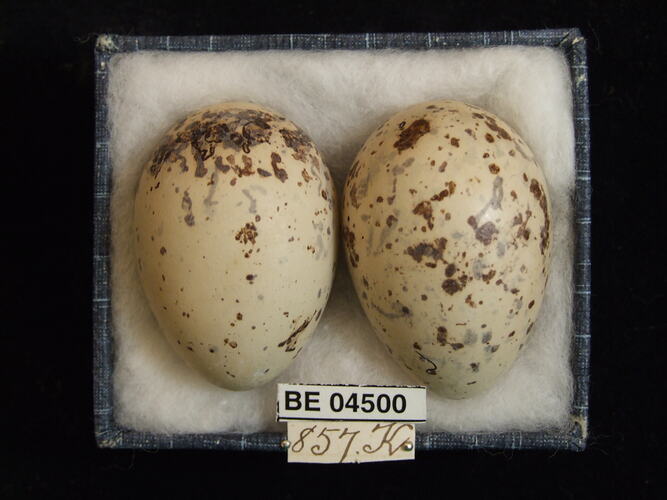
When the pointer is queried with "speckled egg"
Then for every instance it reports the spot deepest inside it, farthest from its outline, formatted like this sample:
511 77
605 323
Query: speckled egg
236 232
447 237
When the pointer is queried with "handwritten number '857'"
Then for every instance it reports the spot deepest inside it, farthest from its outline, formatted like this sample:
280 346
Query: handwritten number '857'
391 430
368 404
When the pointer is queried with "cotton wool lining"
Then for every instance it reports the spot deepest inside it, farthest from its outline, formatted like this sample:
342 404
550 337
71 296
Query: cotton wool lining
338 97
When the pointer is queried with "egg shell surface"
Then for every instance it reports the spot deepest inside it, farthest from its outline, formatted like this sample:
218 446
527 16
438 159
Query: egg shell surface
446 229
236 231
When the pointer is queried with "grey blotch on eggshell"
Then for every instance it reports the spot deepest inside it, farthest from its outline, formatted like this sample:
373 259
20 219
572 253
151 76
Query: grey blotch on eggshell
447 235
236 231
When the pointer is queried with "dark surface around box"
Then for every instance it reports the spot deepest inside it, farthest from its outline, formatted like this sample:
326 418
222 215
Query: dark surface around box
110 435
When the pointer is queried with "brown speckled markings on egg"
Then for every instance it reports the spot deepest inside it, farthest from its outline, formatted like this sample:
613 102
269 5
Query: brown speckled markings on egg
450 267
236 224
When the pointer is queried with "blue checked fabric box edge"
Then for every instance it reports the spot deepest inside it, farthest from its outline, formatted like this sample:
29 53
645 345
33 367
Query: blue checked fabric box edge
110 435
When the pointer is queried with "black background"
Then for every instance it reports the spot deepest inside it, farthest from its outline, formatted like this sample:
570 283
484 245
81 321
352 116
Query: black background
46 164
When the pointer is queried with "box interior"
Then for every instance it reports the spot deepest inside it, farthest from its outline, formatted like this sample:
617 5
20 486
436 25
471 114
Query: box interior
338 98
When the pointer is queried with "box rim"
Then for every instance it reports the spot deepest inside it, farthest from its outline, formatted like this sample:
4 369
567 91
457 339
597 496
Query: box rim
569 40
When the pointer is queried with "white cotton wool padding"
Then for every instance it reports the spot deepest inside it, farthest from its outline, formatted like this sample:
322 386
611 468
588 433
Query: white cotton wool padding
338 97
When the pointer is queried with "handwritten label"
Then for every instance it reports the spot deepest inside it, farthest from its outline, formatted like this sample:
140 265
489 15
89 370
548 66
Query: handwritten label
346 442
351 403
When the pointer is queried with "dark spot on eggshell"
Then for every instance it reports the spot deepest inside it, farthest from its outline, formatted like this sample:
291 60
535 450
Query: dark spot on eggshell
433 369
454 142
426 211
233 128
409 136
523 231
353 197
391 220
425 250
451 286
399 310
535 189
531 304
541 197
163 250
485 232
247 234
489 276
489 137
306 176
502 133
493 168
417 346
290 342
450 270
280 173
354 171
440 196
349 241
186 202
167 151
470 338
246 170
298 142
263 172
200 170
